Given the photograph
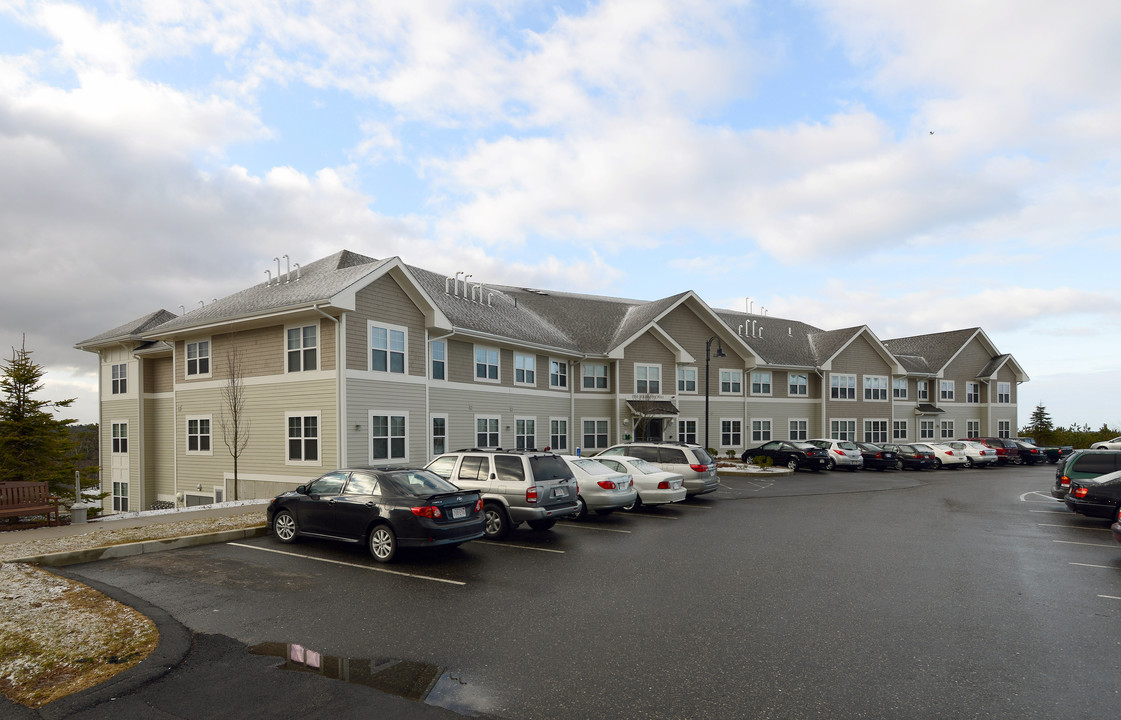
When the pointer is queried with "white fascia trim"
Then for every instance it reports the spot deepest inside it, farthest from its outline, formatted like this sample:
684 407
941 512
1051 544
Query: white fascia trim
315 375
895 367
508 342
434 318
225 325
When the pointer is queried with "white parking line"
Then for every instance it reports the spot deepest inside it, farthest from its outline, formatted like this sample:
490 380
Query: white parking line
1071 542
658 517
1051 512
1110 597
518 547
1104 567
354 565
691 507
1074 527
592 527
1023 498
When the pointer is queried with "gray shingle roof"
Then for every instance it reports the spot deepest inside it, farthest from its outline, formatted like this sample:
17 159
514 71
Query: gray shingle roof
777 340
936 348
130 330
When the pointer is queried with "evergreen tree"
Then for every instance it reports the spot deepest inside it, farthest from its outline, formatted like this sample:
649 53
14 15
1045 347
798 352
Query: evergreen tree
1040 426
34 445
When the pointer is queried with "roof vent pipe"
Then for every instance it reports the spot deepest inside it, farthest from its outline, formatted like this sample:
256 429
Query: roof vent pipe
297 271
740 331
760 331
202 303
457 274
182 310
287 269
277 270
490 296
789 332
466 287
268 278
447 285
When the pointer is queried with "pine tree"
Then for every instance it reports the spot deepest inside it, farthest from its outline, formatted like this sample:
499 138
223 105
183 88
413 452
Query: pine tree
1040 426
34 445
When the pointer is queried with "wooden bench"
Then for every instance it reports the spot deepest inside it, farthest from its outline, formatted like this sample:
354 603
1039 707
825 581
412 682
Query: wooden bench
18 499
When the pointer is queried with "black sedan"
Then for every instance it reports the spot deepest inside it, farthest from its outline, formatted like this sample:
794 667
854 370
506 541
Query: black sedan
1096 497
877 458
911 457
791 453
386 508
1029 454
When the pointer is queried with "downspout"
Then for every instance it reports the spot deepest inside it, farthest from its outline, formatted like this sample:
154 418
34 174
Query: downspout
340 379
101 430
824 399
618 408
428 388
175 422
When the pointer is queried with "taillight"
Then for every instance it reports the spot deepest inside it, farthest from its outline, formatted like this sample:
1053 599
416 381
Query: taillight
949 452
606 484
1080 492
479 505
429 511
879 455
839 452
1064 480
699 468
531 494
663 485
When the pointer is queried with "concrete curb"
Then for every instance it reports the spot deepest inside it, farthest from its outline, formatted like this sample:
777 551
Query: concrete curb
730 472
143 547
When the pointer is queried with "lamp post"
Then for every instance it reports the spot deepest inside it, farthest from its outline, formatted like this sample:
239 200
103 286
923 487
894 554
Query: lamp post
719 354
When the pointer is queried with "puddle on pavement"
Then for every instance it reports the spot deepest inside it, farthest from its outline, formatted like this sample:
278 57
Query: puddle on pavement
430 684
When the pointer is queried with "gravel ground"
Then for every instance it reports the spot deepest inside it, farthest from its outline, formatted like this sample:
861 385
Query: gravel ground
58 636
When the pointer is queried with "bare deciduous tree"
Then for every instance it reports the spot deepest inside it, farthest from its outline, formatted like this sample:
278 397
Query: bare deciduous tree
235 425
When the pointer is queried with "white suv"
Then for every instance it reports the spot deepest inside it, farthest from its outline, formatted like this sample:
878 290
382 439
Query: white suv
842 453
530 487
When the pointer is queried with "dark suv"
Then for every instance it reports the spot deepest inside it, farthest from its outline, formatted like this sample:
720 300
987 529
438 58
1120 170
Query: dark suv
1084 465
691 462
530 487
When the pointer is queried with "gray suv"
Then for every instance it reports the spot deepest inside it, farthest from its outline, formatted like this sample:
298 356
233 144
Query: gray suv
530 487
692 462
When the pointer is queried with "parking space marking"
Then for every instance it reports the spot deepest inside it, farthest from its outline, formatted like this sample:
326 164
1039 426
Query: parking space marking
1103 567
1110 597
659 517
1074 527
354 565
591 527
1023 498
691 507
1071 542
1051 512
518 547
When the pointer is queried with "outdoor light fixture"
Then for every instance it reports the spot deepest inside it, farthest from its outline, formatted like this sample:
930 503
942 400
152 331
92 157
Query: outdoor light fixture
719 354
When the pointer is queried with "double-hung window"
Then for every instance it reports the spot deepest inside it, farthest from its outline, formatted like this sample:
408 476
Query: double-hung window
946 389
439 350
595 433
486 364
387 348
731 382
687 431
761 382
594 376
842 429
899 388
647 379
439 434
899 429
761 430
525 369
303 438
731 433
120 379
558 434
926 429
973 428
486 431
558 374
198 435
842 387
525 433
798 385
875 431
875 387
922 389
973 392
303 344
1003 392
1003 428
687 380
799 429
388 433
198 358
947 429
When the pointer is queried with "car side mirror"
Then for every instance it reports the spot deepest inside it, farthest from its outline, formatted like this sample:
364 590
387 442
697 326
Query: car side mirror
302 489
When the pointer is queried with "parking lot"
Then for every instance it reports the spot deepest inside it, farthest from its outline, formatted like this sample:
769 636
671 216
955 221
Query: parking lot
968 593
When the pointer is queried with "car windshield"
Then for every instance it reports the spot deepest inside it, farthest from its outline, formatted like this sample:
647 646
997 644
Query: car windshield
548 467
418 482
592 467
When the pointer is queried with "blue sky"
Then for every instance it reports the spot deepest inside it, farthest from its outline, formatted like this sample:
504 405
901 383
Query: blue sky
915 168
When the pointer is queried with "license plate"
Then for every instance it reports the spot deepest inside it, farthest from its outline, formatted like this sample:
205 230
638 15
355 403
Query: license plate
560 492
459 512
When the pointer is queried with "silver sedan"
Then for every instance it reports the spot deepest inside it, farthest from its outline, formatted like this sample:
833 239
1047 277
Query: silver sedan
602 489
655 486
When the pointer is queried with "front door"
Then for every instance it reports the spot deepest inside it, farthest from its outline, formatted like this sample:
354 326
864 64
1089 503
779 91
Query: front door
653 429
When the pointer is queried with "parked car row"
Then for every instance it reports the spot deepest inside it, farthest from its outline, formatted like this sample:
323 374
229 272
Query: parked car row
826 454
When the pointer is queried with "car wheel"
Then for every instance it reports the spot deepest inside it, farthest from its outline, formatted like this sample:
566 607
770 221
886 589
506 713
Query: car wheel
830 465
581 509
1017 460
792 464
383 543
542 524
496 525
968 462
605 511
899 465
937 463
284 526
636 505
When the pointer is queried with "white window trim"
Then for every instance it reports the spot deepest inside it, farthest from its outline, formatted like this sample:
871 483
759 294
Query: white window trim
770 382
720 430
905 389
128 439
187 437
432 360
922 390
1004 428
770 421
525 356
851 422
886 389
209 357
803 386
794 420
906 429
114 381
596 420
1000 394
942 430
649 366
391 460
432 432
319 426
567 380
696 424
942 392
606 375
533 438
733 374
475 431
846 387
370 325
974 389
696 383
567 435
977 423
318 346
933 431
868 432
475 364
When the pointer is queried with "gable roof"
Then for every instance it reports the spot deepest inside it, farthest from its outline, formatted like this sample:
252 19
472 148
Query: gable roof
129 331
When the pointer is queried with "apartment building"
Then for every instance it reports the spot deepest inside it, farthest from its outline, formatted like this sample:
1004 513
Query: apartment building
352 360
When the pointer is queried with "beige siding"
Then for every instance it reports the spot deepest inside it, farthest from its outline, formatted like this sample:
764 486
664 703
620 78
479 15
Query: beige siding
859 358
648 350
691 332
391 398
384 301
463 404
159 448
128 411
158 375
461 361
